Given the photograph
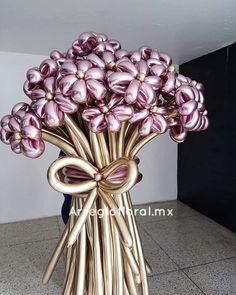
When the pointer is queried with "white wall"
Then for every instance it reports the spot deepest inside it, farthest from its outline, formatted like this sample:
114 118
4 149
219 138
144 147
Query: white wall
25 193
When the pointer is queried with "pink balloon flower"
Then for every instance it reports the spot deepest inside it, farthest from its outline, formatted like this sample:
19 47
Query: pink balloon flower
133 80
108 115
152 117
22 130
50 104
80 80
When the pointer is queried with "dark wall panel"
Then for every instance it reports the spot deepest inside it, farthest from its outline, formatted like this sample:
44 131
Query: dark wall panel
207 160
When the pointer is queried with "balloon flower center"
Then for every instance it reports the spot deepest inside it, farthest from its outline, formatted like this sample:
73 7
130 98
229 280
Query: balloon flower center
153 109
111 65
171 69
99 39
98 176
193 83
48 96
141 77
17 136
80 75
104 109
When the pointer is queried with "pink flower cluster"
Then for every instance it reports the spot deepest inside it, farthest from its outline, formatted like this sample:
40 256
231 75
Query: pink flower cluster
22 130
109 85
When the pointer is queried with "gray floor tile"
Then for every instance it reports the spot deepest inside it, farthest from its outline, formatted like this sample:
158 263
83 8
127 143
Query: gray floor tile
155 256
218 278
22 267
159 211
60 224
28 231
173 283
194 240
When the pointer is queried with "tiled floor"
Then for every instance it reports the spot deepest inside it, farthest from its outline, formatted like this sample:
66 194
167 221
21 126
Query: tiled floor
189 253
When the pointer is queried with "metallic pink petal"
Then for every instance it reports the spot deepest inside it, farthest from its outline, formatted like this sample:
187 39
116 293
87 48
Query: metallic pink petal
159 124
136 56
95 73
96 60
118 82
115 100
30 119
98 123
79 91
66 83
121 53
32 148
146 95
84 65
14 124
68 68
66 104
178 134
127 66
112 122
170 82
154 81
15 145
123 112
146 126
108 57
155 54
48 67
37 94
34 76
38 107
190 121
188 107
5 123
31 132
20 106
131 94
49 84
145 52
183 94
102 47
158 69
115 44
142 67
90 112
5 136
28 87
165 58
53 115
96 89
139 115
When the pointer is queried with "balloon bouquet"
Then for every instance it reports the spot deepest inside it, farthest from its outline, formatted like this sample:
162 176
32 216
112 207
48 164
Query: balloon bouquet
101 104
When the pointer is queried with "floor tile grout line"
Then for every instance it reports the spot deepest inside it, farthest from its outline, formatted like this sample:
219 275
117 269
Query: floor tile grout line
28 242
170 218
183 268
207 263
160 247
179 269
194 283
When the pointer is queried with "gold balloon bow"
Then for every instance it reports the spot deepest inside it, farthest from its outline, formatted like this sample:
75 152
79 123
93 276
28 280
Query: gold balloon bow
98 185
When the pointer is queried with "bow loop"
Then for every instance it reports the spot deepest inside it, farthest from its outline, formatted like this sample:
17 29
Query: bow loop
116 178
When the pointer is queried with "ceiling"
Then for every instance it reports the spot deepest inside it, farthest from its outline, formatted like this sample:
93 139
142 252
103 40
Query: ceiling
184 29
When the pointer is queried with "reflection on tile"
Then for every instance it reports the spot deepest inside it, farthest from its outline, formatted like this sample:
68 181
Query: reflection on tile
22 267
155 256
217 278
28 231
193 240
163 210
173 283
